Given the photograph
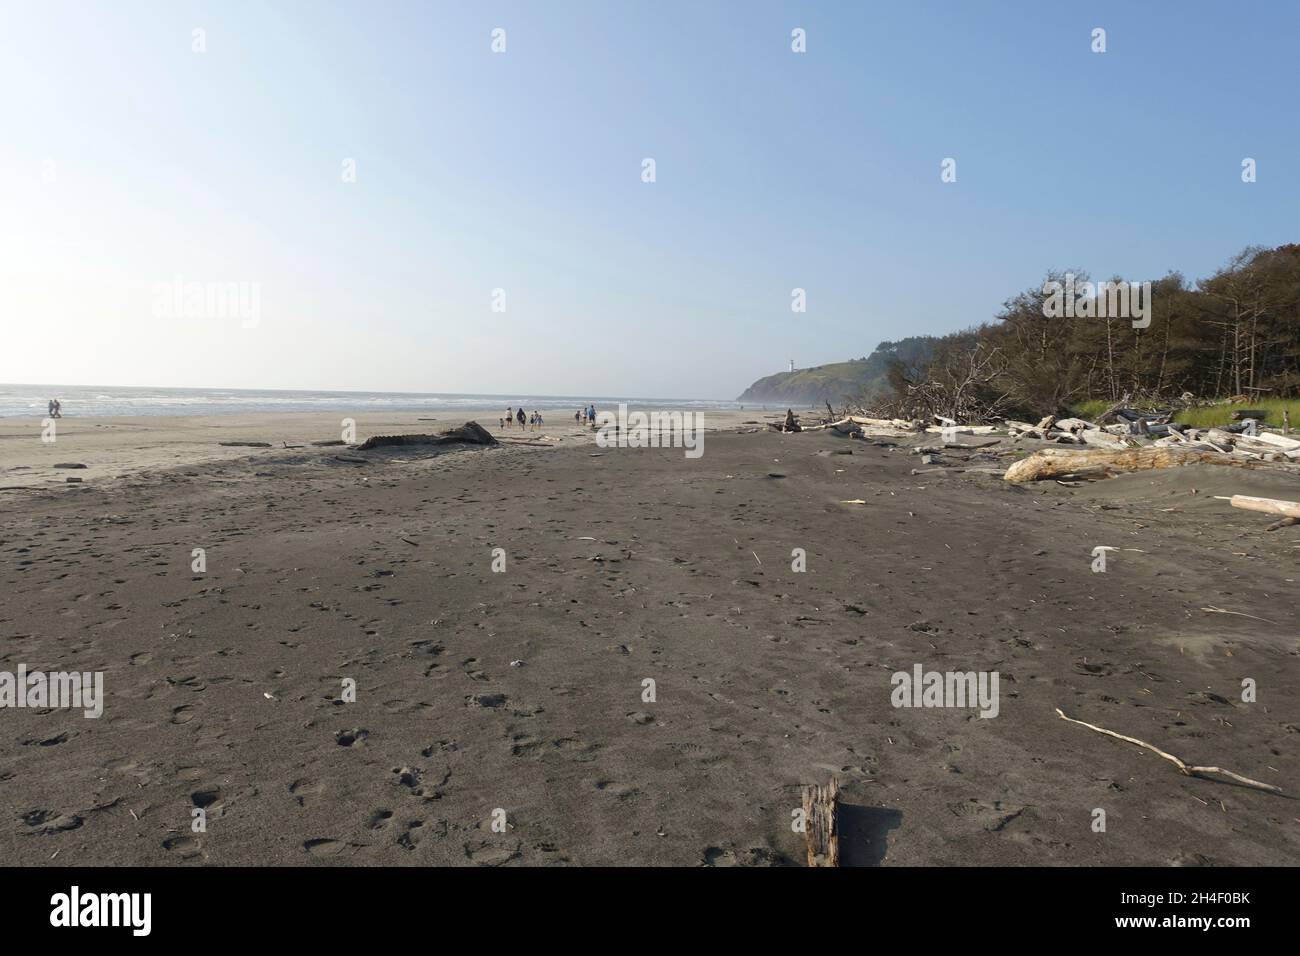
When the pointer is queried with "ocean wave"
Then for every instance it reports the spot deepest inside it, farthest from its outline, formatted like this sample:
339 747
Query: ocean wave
26 401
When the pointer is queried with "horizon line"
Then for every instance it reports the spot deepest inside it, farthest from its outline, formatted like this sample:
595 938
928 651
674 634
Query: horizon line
353 391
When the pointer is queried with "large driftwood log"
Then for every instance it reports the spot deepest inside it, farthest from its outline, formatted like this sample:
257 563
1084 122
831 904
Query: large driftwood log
883 422
1273 506
471 433
821 832
842 423
1050 463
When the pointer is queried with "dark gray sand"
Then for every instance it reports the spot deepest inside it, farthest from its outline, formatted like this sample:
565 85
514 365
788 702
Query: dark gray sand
223 688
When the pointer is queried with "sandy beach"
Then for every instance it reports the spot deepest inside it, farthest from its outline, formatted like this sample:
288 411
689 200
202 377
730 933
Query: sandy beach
523 690
113 446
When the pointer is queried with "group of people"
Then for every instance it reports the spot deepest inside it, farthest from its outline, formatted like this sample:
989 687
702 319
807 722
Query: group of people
534 421
56 408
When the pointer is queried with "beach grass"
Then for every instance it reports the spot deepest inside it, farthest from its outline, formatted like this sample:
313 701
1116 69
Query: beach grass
1206 416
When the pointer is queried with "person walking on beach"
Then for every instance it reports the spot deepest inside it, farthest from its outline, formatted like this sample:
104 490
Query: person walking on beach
539 418
591 415
50 411
57 411
521 418
577 418
510 416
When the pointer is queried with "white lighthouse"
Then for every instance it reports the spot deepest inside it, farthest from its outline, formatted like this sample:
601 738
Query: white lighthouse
792 365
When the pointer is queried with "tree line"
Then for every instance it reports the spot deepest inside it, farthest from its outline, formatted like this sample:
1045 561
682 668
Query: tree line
1234 334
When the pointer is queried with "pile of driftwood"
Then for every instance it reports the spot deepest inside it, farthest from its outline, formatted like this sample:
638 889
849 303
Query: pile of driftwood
1142 440
1119 440
860 426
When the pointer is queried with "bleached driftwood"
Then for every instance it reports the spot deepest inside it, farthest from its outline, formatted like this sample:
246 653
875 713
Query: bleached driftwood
1095 436
1187 770
1052 463
1073 424
963 429
837 425
883 422
1273 506
1281 441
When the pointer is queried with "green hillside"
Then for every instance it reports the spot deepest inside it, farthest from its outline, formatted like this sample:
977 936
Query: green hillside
851 380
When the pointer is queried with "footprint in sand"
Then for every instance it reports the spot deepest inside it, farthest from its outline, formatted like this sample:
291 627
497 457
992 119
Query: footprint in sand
306 791
524 746
186 847
618 790
728 855
994 816
349 738
487 854
409 839
46 822
206 797
324 847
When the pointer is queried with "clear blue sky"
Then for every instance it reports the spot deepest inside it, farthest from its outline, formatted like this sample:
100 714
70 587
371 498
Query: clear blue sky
127 159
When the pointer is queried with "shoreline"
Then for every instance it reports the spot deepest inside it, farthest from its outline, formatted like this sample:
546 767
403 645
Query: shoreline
117 446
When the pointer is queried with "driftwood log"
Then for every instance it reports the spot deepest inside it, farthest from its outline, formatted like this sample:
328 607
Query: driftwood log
1051 463
471 433
1273 506
1105 416
821 823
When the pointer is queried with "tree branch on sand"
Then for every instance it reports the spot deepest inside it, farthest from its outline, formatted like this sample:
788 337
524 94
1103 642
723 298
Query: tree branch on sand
1187 770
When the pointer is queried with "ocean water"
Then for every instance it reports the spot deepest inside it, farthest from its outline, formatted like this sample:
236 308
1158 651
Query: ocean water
80 401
